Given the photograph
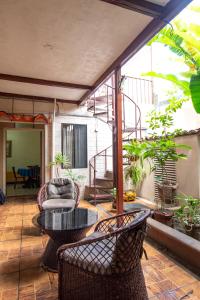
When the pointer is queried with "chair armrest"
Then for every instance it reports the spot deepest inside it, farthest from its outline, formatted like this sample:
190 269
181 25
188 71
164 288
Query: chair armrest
42 196
77 194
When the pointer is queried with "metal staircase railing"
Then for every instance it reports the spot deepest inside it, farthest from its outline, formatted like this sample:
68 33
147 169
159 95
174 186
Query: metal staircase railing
102 106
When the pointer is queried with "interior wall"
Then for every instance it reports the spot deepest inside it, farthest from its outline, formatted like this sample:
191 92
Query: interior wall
3 125
25 149
99 134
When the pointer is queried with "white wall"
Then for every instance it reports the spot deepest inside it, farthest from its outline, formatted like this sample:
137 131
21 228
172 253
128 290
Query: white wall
25 148
99 134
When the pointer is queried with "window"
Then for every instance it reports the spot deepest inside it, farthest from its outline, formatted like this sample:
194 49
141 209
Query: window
74 144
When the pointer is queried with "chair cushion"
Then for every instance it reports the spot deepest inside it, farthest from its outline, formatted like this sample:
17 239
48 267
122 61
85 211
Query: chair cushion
60 188
58 203
95 257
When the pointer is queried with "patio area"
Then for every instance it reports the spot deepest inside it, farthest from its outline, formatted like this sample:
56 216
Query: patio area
22 245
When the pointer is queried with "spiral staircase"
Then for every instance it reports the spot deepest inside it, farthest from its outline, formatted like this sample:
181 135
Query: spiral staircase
101 104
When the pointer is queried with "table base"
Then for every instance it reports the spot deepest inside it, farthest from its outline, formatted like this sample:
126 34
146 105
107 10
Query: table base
49 259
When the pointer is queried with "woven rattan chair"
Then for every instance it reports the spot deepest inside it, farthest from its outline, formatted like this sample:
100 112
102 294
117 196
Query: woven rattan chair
43 196
106 265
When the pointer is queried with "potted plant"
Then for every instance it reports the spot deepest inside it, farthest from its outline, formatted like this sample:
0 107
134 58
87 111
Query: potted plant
189 215
162 148
135 171
60 161
73 176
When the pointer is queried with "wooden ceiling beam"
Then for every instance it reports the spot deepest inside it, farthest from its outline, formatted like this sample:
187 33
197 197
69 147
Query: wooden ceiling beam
170 11
35 98
45 82
140 6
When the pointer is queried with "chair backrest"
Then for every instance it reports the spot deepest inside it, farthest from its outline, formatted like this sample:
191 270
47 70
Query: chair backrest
129 242
42 194
14 172
35 171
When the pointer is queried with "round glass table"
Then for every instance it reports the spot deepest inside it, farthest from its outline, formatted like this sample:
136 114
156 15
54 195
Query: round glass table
64 226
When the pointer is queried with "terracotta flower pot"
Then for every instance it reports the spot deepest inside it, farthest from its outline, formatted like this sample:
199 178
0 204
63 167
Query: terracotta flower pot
163 216
193 231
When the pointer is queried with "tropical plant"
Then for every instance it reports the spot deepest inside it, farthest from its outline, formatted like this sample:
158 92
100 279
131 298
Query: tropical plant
183 40
60 160
162 146
189 212
136 154
74 177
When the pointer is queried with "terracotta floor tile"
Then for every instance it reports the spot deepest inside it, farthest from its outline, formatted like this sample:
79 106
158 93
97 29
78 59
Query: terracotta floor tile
9 266
179 276
10 234
21 240
51 295
195 287
9 281
27 292
151 275
33 276
28 262
11 294
162 286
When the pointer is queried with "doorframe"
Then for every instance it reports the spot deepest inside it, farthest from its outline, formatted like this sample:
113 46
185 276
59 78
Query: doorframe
42 147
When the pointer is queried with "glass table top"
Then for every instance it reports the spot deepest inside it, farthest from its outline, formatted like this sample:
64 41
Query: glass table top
67 219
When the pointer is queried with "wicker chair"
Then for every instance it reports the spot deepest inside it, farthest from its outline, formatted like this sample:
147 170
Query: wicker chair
43 196
106 265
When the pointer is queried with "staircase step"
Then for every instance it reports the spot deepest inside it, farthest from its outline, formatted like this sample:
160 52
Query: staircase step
100 187
102 113
101 196
102 99
109 174
104 182
99 201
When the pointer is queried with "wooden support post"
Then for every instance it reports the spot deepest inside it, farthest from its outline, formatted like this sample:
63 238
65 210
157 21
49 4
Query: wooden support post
118 141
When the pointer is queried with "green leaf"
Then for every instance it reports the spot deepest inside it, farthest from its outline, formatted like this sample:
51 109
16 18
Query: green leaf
183 84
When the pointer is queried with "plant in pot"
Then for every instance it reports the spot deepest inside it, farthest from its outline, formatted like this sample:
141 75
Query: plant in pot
160 149
135 171
60 160
78 178
189 215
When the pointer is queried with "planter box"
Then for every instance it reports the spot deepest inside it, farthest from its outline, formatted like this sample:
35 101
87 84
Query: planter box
182 245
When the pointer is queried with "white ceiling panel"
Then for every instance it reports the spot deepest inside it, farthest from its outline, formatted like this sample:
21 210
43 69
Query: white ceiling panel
66 40
40 90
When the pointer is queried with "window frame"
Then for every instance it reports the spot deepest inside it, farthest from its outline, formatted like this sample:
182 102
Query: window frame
64 125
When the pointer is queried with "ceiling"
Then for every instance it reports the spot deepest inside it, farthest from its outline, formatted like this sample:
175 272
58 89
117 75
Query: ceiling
72 41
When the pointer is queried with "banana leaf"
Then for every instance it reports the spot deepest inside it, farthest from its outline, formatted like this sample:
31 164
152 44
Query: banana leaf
195 91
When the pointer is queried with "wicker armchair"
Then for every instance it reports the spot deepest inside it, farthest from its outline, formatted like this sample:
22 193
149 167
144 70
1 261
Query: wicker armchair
43 196
106 265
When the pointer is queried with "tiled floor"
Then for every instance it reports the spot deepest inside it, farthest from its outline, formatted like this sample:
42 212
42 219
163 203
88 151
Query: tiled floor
19 190
21 248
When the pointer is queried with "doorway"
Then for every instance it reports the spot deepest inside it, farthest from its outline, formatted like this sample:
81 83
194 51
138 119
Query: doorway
23 161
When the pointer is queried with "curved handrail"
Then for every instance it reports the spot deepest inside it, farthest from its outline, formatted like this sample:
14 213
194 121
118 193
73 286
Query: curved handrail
136 127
